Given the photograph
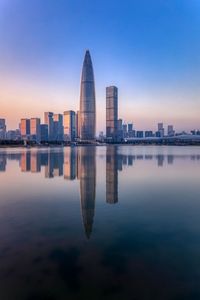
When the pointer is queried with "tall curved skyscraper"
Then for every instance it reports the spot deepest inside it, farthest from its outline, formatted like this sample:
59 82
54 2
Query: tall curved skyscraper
87 101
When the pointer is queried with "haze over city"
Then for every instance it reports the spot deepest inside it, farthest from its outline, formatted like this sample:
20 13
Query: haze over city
150 51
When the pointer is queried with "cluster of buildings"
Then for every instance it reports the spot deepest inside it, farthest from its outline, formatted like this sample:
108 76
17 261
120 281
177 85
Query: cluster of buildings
81 125
56 127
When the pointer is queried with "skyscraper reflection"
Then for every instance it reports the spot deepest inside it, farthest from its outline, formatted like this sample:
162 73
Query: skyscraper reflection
111 175
3 163
54 167
25 161
87 175
35 162
70 162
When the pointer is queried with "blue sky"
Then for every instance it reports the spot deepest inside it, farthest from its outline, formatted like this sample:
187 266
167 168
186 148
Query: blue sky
149 49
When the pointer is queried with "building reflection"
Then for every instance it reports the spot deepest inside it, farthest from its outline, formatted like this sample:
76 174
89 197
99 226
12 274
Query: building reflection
111 175
3 161
25 162
70 162
87 173
80 163
53 164
35 162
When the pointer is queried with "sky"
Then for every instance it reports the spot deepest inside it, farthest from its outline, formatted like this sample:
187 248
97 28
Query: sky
149 49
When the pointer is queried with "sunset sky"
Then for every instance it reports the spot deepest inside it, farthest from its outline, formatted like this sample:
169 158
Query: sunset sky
149 49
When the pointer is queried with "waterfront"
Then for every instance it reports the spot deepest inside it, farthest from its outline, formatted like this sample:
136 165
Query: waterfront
115 222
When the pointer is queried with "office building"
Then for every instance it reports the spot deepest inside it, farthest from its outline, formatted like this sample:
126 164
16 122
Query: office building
87 101
161 129
25 128
69 123
2 129
120 129
125 132
139 134
148 133
78 124
170 130
112 113
44 132
131 132
48 120
35 130
58 127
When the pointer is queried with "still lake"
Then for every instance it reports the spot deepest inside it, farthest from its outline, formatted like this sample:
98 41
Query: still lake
115 222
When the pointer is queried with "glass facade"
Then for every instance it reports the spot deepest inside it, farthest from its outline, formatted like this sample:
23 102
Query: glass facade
69 123
112 113
87 101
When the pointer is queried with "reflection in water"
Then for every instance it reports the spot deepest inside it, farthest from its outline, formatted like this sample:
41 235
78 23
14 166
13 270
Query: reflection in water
137 247
111 175
87 160
70 162
57 163
80 163
3 163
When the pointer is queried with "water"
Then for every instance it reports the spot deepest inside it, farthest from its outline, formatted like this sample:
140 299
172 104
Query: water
100 223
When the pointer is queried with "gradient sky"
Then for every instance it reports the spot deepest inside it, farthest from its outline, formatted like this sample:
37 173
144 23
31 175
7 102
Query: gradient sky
149 49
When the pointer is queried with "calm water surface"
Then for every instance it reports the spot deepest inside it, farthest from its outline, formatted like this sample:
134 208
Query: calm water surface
100 223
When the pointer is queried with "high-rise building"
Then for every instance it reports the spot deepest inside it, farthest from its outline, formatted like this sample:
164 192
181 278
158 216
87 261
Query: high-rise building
48 120
120 129
25 128
69 122
112 113
2 129
58 127
44 132
35 130
87 101
125 132
170 130
161 130
131 132
78 124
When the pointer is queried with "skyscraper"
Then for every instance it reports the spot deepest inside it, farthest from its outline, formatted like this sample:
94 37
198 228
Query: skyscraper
2 129
170 130
35 129
161 130
87 101
25 128
48 119
58 127
69 121
78 124
112 113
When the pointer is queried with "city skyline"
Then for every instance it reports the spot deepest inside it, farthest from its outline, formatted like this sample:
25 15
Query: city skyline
156 70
